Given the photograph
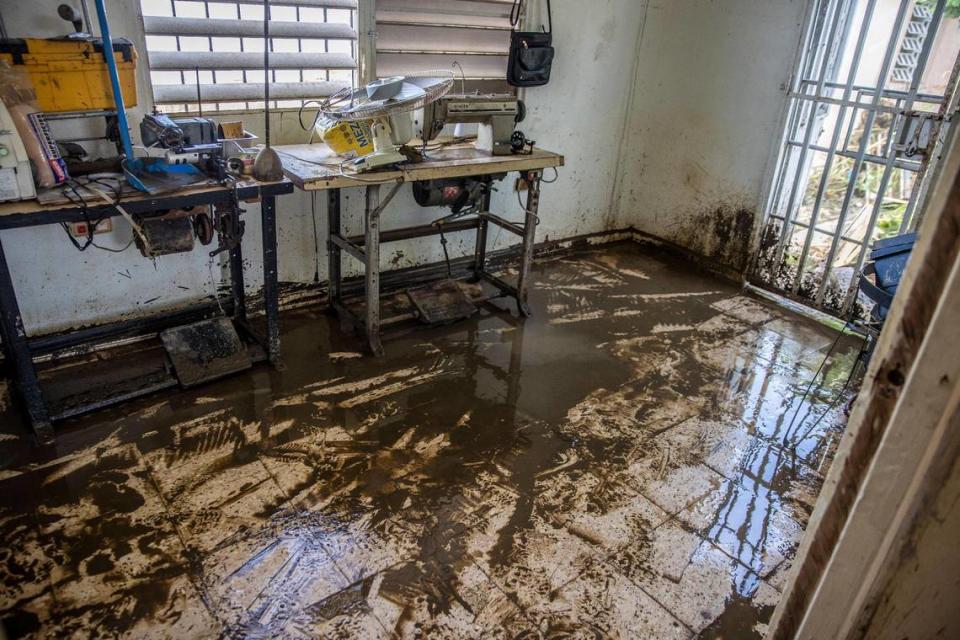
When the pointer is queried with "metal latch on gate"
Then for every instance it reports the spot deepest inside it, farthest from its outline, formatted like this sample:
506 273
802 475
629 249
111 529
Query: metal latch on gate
918 132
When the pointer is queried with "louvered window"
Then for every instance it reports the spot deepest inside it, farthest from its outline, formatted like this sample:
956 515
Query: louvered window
217 48
424 35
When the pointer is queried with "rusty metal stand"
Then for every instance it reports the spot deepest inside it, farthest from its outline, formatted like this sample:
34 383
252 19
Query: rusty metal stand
366 249
20 349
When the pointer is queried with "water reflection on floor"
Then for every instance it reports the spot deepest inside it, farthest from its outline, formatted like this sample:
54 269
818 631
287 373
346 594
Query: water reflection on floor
635 461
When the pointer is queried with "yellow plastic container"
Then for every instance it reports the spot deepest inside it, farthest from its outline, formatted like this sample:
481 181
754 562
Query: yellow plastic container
347 139
71 75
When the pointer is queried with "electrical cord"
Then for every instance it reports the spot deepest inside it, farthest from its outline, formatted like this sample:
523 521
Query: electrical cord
114 249
75 197
337 166
436 146
138 230
316 118
213 285
525 210
833 403
806 392
556 176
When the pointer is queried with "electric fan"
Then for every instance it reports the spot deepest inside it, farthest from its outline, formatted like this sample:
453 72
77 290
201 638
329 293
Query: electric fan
386 104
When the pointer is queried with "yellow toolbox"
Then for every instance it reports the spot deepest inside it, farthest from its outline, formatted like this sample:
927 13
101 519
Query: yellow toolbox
71 75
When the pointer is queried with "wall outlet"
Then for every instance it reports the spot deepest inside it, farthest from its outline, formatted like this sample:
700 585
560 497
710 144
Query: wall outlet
79 229
520 185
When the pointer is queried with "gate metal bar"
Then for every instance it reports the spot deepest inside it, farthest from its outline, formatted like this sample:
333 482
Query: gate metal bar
808 102
891 156
808 134
947 107
888 57
847 90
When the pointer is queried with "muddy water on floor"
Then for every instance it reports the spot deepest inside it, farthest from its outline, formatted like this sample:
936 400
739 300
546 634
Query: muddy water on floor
636 460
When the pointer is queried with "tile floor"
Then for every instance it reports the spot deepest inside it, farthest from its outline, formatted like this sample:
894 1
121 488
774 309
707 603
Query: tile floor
635 461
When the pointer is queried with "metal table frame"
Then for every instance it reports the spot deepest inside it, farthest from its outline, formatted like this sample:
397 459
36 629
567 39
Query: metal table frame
21 349
366 249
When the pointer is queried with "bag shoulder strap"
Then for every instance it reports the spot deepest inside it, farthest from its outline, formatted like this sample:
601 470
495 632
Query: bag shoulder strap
517 10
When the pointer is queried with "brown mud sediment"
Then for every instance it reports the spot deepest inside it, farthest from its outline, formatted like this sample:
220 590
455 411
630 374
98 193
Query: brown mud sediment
635 460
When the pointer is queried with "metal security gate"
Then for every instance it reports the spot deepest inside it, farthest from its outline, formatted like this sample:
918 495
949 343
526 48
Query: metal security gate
869 106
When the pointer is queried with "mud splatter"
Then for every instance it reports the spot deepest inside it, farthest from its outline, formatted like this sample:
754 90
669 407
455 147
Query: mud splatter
492 478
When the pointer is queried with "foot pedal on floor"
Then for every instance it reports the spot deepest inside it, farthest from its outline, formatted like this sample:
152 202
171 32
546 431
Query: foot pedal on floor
442 301
205 350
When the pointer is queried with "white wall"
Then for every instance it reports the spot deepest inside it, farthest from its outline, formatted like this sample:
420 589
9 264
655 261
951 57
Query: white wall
709 91
708 88
581 113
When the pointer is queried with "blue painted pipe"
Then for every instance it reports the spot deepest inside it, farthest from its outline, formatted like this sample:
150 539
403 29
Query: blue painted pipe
114 80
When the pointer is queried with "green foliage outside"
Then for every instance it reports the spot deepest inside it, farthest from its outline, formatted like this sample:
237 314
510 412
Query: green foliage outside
952 10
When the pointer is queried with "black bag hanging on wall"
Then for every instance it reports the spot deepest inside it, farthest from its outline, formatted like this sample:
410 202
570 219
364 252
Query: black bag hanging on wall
531 52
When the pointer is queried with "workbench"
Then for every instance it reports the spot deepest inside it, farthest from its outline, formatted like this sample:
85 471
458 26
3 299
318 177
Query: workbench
21 349
314 167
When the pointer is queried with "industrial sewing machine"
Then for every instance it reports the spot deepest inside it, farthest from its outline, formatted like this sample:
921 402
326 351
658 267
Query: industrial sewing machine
180 141
497 114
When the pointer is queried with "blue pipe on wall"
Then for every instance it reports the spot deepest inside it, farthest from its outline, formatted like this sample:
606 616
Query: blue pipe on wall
114 80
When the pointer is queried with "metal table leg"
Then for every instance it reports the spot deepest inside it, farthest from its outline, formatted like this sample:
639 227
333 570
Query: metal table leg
529 236
18 352
237 284
334 272
480 255
271 290
372 275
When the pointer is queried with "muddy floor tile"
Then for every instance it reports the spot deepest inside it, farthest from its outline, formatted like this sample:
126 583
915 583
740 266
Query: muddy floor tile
663 552
670 484
721 444
704 587
719 327
29 619
343 614
777 578
201 445
210 506
608 514
735 354
748 521
779 470
427 600
299 464
772 400
730 448
92 486
816 433
812 335
745 308
170 607
603 603
26 559
116 571
745 616
540 559
280 566
179 611
366 545
606 419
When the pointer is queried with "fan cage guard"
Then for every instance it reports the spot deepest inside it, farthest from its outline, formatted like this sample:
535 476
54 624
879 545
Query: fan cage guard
348 104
